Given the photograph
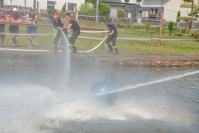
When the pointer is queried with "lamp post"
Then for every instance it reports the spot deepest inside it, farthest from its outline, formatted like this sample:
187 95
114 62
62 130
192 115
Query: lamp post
97 11
161 22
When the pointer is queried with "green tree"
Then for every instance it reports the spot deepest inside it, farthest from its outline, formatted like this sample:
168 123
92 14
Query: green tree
170 27
87 9
91 1
192 3
104 10
122 13
178 16
63 10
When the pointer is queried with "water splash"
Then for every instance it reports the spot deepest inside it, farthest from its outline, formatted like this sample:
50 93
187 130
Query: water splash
66 51
149 83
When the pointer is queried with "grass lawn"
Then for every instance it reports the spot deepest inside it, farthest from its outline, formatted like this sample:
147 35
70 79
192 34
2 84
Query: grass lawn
23 42
126 46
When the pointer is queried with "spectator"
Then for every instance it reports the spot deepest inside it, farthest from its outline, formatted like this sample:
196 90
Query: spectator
3 19
14 27
31 27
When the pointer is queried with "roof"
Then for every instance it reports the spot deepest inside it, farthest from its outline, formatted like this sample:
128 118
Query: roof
117 2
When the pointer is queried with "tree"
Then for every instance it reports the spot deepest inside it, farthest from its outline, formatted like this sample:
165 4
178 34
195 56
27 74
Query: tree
87 9
104 10
122 13
178 16
63 10
170 27
192 3
91 1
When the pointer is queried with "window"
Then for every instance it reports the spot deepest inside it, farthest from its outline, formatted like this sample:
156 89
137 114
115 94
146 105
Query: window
154 11
51 5
71 7
140 13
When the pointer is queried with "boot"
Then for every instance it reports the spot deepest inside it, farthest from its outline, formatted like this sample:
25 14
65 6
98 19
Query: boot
116 50
74 49
110 48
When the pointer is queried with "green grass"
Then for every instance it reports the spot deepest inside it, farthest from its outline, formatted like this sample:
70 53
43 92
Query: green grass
125 46
44 41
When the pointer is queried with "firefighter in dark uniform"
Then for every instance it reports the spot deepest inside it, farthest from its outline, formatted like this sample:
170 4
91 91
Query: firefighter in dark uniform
58 25
32 26
73 24
112 36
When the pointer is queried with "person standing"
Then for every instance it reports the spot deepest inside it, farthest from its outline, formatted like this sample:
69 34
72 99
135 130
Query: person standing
32 27
14 27
3 19
112 36
73 24
58 25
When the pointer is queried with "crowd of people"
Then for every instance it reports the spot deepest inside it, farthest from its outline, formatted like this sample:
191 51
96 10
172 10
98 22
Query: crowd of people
14 18
31 22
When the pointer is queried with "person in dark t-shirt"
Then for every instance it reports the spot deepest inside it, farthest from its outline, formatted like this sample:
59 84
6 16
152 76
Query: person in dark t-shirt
112 36
73 24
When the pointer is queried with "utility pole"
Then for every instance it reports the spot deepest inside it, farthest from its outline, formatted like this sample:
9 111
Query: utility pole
97 10
11 2
25 3
161 22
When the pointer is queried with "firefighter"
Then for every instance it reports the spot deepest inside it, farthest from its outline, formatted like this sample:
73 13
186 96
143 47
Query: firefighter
58 25
112 36
73 24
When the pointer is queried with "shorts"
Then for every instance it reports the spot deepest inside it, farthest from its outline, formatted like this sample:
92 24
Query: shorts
31 30
14 29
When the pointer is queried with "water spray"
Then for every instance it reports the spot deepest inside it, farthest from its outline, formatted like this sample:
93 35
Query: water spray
148 83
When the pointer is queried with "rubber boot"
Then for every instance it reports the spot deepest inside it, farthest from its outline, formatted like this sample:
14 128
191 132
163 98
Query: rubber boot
74 49
110 48
116 50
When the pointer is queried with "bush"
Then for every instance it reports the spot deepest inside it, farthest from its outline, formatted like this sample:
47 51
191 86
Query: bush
178 34
195 34
188 18
146 26
178 16
87 9
152 16
170 27
122 13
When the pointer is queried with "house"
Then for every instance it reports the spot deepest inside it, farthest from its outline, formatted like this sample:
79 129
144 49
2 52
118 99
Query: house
41 4
71 5
185 8
44 4
146 8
